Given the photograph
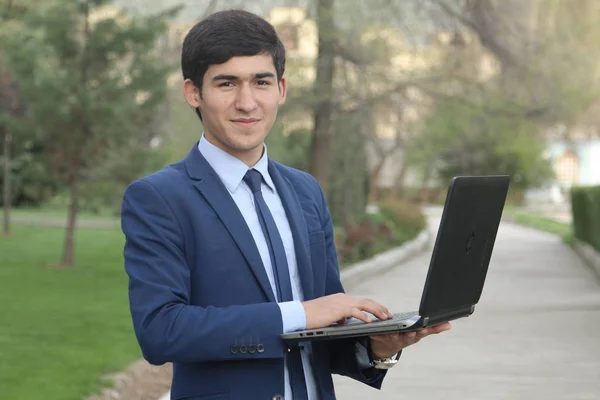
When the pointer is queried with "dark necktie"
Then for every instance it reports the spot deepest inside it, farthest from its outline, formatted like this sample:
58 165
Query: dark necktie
253 179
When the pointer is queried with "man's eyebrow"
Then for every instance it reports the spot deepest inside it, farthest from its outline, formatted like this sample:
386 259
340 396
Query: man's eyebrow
263 75
225 78
260 75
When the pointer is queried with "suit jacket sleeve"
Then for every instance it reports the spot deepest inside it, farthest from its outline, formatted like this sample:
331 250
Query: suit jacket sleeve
167 326
345 352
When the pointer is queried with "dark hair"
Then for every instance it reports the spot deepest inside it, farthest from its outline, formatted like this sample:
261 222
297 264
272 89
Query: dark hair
224 35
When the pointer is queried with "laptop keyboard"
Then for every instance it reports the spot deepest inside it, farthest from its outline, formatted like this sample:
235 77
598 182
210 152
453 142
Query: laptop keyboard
397 318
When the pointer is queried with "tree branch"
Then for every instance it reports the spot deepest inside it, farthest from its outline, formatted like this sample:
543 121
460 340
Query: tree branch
480 26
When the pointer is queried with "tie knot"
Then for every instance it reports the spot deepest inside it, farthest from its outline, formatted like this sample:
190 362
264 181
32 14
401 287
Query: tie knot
253 179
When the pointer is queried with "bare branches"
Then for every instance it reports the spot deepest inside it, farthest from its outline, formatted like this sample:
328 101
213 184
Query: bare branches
347 53
484 19
212 6
455 14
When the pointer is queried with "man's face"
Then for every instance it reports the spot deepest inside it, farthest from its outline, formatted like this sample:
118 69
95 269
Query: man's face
239 104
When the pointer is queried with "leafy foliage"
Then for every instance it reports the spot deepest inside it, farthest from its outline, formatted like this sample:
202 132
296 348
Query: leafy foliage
291 148
585 203
93 84
89 86
31 182
467 139
395 223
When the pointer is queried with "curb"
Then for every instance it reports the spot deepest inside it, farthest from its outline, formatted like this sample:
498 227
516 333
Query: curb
589 255
383 262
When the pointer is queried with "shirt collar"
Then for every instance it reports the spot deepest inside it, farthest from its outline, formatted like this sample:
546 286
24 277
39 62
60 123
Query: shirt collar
231 170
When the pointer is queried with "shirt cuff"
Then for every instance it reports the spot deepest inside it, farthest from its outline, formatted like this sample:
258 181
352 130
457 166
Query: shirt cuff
362 355
293 316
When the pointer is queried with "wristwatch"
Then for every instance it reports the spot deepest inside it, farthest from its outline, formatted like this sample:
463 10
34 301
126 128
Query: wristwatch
385 363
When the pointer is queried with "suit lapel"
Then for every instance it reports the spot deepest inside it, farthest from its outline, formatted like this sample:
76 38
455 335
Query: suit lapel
293 211
214 191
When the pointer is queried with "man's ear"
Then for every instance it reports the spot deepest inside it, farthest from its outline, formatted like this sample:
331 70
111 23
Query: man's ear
282 90
191 93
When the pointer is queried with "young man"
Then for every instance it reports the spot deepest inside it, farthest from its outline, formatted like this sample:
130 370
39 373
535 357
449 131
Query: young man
226 250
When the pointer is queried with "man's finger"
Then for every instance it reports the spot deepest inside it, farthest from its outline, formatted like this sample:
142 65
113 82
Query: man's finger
361 315
383 312
440 328
374 308
433 330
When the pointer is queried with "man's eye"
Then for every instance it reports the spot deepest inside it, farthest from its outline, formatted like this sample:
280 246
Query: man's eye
263 83
226 84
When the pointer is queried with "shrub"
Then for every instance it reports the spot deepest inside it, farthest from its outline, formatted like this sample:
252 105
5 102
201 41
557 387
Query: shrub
395 223
407 219
585 205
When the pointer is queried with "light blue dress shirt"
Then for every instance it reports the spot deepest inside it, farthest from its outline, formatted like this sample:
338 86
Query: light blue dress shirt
231 171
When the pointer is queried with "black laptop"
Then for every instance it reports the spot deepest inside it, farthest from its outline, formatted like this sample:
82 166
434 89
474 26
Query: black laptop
458 267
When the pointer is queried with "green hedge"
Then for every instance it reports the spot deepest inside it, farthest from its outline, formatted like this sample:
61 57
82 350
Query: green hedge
585 204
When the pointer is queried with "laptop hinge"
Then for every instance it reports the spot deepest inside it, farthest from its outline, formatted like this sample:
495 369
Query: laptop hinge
448 316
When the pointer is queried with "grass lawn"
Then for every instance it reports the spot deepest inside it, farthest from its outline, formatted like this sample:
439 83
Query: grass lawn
61 330
562 229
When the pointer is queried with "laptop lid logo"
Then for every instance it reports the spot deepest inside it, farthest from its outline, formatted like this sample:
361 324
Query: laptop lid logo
470 242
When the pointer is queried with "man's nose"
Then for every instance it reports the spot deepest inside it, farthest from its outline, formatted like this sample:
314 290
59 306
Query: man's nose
245 100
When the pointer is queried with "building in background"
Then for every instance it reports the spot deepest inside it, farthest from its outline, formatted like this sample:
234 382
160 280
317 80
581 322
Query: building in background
575 158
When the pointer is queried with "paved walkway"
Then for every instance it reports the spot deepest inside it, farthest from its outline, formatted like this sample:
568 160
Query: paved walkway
62 222
535 334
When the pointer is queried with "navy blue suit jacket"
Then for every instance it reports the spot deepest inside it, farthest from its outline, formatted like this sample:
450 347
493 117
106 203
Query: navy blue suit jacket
198 290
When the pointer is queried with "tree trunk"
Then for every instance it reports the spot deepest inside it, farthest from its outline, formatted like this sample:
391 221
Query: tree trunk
6 196
69 248
321 138
398 186
76 156
374 181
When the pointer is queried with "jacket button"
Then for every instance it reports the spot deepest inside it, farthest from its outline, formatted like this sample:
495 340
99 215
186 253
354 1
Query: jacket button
243 349
260 348
252 349
234 349
278 397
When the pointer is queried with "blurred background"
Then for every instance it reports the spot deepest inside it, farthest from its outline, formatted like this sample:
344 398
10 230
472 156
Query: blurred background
388 99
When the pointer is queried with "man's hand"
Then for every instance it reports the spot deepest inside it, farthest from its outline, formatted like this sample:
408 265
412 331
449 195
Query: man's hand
327 310
384 346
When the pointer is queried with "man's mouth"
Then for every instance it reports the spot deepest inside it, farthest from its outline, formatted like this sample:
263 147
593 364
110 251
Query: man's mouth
245 121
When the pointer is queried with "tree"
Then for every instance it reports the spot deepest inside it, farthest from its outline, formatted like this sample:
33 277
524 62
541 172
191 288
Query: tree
355 81
465 139
348 180
546 50
546 74
91 82
10 104
321 137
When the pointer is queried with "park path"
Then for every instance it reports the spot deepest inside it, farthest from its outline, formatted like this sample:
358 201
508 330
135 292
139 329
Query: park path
534 335
54 222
